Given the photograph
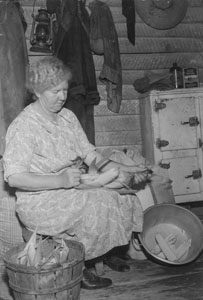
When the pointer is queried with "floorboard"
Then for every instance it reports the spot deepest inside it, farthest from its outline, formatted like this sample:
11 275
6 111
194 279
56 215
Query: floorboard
148 280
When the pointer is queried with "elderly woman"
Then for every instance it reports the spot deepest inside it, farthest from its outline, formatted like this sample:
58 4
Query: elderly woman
42 146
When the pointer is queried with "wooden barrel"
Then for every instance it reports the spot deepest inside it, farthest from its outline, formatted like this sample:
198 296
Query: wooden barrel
57 283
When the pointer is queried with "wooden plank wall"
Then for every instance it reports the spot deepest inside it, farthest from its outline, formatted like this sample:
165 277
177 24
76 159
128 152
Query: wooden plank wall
154 50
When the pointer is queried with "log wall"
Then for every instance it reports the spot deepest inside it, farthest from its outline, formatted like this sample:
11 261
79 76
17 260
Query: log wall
154 50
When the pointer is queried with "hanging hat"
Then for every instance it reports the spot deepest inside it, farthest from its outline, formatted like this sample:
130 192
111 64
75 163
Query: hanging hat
161 14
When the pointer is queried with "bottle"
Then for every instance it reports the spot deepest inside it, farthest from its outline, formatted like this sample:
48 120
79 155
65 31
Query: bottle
177 78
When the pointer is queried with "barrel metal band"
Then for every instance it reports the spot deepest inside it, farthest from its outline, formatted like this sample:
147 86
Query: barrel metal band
50 291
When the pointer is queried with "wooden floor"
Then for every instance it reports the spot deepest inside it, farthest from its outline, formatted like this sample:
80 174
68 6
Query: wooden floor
148 280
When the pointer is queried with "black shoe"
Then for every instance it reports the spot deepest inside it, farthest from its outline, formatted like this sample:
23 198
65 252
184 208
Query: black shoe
116 264
93 282
125 257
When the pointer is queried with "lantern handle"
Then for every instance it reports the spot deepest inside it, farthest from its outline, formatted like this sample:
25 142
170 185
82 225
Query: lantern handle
50 41
33 8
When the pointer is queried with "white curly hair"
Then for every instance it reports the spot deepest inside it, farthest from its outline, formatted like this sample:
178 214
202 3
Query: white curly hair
47 73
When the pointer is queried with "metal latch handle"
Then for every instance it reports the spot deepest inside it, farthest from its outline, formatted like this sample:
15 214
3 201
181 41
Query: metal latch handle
196 174
193 121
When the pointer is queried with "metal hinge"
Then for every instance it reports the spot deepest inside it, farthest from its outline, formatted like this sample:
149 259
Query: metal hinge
161 143
164 165
159 105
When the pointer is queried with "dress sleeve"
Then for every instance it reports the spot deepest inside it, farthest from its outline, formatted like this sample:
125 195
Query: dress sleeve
19 148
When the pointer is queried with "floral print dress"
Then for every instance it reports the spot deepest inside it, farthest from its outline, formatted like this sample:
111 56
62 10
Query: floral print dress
98 218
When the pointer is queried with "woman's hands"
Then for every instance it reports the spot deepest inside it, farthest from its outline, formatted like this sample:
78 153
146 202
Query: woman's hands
141 172
70 177
141 176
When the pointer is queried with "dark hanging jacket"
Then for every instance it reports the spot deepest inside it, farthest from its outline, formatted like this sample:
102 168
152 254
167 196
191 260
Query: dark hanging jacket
73 48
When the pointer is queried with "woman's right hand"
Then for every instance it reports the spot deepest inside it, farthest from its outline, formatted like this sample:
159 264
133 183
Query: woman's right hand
70 177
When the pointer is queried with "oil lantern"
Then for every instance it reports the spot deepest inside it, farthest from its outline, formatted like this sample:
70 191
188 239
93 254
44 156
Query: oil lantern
41 37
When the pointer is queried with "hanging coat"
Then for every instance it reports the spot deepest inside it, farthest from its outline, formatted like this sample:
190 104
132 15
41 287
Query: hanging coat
72 46
13 66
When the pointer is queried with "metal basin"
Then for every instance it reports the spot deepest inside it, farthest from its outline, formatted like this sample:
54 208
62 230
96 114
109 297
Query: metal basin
172 219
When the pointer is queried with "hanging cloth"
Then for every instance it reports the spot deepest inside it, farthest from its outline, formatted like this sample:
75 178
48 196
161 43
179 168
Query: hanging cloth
13 66
102 27
128 10
72 46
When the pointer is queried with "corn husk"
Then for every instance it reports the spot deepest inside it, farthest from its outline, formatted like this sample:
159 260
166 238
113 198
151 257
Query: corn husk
166 247
27 255
43 253
122 181
64 251
59 255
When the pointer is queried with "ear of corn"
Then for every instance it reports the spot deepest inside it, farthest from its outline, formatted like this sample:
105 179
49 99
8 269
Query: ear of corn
100 179
92 168
28 253
122 181
43 254
88 177
38 253
63 253
183 249
107 176
167 251
114 185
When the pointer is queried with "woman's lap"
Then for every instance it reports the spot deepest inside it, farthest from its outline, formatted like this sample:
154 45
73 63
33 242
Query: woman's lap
98 218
